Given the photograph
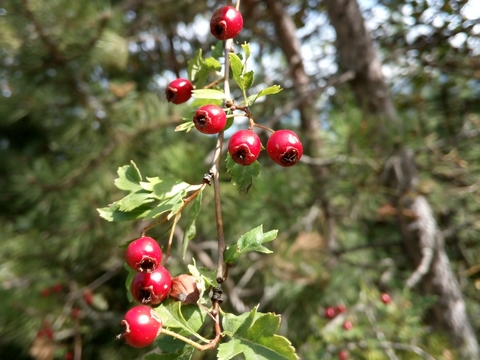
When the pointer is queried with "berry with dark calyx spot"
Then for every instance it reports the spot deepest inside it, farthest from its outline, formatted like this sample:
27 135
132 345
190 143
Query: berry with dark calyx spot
284 148
210 119
226 23
179 91
330 312
151 288
184 289
385 298
143 254
244 147
347 325
142 326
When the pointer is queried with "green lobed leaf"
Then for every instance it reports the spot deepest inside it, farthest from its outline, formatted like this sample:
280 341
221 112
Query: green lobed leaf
208 94
249 242
203 277
188 318
129 177
212 64
191 229
112 213
248 79
246 49
195 65
237 69
166 187
165 206
242 176
274 89
186 126
217 50
186 354
128 281
134 200
253 335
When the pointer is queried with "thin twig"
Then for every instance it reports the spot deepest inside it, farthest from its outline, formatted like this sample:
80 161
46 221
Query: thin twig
215 171
170 238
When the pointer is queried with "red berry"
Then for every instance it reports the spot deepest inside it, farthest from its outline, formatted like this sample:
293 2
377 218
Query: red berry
46 333
385 298
75 313
244 147
68 356
226 23
143 254
347 325
142 326
210 119
151 288
179 91
57 288
343 355
330 312
284 147
45 292
88 296
341 308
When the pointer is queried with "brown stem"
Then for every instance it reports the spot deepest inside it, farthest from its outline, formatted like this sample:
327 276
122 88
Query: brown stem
215 171
170 238
263 127
213 83
152 225
215 314
218 208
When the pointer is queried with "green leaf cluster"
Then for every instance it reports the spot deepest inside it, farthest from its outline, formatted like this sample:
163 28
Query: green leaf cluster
250 241
253 334
167 192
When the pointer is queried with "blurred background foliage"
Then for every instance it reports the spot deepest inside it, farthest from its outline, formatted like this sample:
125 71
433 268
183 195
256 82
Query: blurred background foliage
82 93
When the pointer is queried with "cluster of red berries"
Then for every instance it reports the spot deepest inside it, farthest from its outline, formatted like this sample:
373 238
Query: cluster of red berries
331 312
283 146
150 286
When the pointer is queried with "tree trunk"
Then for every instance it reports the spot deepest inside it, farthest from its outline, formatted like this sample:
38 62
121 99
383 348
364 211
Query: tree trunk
422 239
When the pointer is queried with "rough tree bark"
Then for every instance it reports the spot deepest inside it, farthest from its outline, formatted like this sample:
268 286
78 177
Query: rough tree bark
310 123
421 236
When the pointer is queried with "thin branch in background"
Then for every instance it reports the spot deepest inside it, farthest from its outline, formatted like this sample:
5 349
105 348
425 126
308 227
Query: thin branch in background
380 335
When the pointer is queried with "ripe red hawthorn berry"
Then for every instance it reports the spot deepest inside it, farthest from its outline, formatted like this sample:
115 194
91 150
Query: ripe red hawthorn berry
45 292
142 326
57 288
330 312
341 308
143 254
347 325
210 119
151 288
284 148
244 147
226 23
76 313
343 354
88 296
179 91
385 298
